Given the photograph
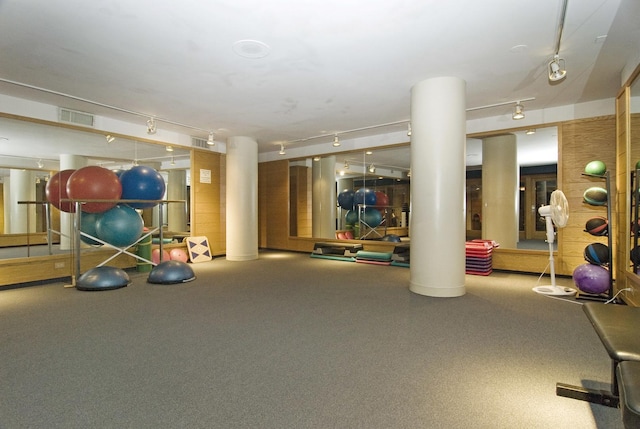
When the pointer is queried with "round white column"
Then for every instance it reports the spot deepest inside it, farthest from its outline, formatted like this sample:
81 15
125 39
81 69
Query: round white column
68 162
22 188
242 199
324 198
177 190
6 206
500 190
438 140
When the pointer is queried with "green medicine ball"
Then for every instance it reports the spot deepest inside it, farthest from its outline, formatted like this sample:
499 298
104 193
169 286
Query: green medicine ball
597 168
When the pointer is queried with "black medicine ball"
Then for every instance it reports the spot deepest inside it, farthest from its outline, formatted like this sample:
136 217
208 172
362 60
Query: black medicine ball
597 226
597 254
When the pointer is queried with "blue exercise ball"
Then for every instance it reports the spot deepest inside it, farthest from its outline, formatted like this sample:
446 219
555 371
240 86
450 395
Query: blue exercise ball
351 218
142 183
372 217
365 196
121 226
88 223
590 278
345 199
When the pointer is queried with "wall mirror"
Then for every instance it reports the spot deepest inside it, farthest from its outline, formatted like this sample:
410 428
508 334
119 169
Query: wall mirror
634 158
31 151
387 170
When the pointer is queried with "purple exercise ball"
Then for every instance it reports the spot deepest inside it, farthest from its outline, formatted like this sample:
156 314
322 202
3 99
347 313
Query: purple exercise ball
590 278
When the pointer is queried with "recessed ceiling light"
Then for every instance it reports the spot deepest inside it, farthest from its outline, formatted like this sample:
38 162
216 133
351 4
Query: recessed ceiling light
251 48
518 49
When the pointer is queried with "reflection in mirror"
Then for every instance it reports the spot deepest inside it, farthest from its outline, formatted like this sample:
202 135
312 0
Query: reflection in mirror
30 156
532 168
634 160
387 170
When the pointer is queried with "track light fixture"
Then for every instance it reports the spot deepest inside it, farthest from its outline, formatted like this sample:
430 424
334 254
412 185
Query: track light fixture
372 168
409 129
151 126
282 152
210 141
39 163
346 164
109 138
336 142
169 148
519 112
557 69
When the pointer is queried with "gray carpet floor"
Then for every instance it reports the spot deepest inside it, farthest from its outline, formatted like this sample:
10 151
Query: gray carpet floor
289 341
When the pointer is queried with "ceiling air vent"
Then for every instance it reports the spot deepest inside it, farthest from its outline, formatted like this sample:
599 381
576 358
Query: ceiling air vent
198 142
74 117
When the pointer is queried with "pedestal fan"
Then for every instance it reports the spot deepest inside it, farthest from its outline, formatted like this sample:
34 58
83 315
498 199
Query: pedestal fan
556 213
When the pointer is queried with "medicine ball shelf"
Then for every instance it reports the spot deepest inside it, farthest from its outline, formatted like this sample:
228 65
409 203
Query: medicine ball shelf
594 197
635 216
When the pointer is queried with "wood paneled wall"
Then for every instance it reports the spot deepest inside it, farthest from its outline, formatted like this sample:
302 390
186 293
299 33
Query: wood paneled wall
273 204
583 141
300 207
208 209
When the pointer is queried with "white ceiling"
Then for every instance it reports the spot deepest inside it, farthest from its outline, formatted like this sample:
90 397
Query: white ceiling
330 65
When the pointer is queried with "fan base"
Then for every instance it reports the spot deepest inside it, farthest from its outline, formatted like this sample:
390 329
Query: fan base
554 290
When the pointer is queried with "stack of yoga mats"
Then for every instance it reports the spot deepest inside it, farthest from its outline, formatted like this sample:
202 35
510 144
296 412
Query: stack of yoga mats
479 257
336 251
376 258
401 254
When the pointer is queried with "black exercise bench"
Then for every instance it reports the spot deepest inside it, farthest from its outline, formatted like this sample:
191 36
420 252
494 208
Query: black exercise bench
617 327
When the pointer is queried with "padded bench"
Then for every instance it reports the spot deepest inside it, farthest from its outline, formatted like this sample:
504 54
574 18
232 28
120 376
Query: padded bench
628 375
617 327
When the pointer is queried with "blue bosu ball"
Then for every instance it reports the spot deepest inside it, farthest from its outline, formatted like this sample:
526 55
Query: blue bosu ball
393 238
103 278
171 272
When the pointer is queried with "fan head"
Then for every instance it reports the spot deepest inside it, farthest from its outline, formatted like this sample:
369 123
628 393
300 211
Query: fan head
559 207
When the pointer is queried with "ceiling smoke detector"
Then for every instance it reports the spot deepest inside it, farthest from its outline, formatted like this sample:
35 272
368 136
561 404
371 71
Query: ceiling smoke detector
251 49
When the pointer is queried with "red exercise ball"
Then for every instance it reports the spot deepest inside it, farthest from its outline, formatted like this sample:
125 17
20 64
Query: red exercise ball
381 199
155 256
94 183
56 190
178 254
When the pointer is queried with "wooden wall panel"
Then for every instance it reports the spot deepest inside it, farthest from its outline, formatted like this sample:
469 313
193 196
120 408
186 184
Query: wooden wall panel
300 183
273 204
13 271
583 141
207 199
